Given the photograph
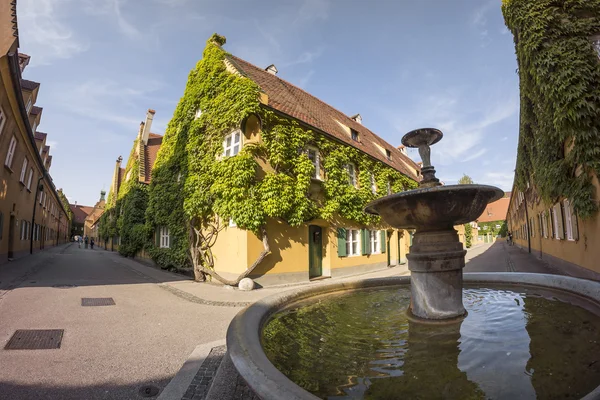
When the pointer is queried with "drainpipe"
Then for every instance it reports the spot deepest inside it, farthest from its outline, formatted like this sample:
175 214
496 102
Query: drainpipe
38 188
527 224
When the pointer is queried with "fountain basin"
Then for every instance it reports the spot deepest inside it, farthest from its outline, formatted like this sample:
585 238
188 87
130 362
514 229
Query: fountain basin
434 208
244 333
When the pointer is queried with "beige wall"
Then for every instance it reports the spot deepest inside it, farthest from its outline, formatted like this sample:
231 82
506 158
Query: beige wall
584 252
15 199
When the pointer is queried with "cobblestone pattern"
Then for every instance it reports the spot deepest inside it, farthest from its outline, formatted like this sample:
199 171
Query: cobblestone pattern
243 391
198 300
198 389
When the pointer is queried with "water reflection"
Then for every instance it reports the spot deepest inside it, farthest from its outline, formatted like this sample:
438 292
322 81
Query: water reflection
512 345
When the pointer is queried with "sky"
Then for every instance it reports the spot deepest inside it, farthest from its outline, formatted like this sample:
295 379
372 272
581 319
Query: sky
401 64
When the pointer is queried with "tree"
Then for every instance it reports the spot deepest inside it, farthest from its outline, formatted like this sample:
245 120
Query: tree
465 180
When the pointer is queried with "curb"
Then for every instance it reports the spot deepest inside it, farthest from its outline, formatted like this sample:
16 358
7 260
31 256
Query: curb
177 387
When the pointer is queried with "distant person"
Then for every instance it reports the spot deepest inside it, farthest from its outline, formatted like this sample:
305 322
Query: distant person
92 243
86 240
79 241
510 242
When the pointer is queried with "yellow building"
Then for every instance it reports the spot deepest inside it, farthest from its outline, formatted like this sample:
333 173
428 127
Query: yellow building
32 216
319 248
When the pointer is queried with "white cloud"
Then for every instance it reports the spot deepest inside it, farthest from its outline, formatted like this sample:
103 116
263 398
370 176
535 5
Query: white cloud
113 9
305 58
474 155
302 82
44 35
52 143
504 180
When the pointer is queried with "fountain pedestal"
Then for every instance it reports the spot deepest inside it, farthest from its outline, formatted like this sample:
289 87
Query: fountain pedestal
436 260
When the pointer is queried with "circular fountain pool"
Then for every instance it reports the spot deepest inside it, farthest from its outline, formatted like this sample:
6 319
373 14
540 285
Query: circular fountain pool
516 342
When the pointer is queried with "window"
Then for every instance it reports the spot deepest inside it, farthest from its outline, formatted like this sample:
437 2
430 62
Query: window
29 178
388 154
45 158
232 223
354 135
28 106
313 156
128 177
568 220
11 152
352 242
164 237
351 174
34 127
2 119
389 187
596 44
555 221
231 144
375 243
373 184
198 113
23 170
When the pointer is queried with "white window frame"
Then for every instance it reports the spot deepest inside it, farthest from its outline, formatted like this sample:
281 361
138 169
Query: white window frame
373 184
316 162
198 113
23 170
231 148
128 176
34 127
2 119
555 221
29 105
165 239
375 241
29 178
351 169
232 223
10 154
389 187
568 221
353 240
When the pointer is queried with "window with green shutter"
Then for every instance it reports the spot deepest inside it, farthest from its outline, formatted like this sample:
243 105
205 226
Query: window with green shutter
366 243
383 241
341 235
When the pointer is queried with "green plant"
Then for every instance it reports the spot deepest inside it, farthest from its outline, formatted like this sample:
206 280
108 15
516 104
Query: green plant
468 235
559 138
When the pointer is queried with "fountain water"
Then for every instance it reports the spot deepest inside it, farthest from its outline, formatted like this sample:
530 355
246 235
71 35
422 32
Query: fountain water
350 339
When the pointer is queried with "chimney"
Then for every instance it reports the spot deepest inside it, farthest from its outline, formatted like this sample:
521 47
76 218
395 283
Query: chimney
357 118
272 69
148 125
102 194
402 150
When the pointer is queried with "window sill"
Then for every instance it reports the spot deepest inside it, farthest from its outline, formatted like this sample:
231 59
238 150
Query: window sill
8 168
313 179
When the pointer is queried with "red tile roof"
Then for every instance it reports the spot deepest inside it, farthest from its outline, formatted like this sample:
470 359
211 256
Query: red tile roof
40 135
80 213
29 85
496 211
150 153
295 102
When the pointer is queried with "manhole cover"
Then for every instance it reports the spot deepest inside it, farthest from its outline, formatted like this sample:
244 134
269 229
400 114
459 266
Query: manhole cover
34 339
64 286
97 301
149 391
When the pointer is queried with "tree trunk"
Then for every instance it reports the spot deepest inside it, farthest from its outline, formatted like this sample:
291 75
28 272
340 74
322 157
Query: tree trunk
203 261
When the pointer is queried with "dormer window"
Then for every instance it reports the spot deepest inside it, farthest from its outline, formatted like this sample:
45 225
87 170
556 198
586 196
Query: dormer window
198 113
232 143
28 106
351 174
34 127
388 154
315 159
354 135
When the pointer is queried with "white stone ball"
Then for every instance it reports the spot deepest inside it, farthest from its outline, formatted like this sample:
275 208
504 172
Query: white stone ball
246 284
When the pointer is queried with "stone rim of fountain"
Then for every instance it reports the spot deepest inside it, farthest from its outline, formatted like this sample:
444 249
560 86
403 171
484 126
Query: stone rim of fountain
244 333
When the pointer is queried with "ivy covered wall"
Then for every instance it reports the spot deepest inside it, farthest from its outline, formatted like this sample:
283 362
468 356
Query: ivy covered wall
559 71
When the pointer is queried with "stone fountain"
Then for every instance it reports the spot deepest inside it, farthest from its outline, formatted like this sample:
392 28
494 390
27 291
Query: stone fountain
434 349
437 257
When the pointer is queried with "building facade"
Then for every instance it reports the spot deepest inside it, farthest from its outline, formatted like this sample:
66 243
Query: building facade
32 213
490 223
553 212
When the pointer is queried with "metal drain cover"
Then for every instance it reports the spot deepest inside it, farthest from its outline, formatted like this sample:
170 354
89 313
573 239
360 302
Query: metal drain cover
149 391
34 339
64 286
97 301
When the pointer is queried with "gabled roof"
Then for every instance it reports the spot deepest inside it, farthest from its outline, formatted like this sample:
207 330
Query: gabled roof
46 149
29 85
40 135
80 213
295 102
150 153
35 110
496 211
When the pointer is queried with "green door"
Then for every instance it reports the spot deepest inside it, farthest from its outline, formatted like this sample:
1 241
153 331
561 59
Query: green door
315 251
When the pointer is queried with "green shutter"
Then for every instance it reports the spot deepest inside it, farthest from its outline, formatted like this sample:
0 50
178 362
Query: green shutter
366 248
157 236
171 240
341 234
574 224
383 241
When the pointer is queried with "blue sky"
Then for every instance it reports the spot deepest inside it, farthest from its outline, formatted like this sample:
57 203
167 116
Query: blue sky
400 64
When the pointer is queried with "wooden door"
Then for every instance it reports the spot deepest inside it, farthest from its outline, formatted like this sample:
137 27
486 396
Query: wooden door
315 251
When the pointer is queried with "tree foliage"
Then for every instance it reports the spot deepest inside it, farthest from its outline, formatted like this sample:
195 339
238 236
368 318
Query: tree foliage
465 180
559 71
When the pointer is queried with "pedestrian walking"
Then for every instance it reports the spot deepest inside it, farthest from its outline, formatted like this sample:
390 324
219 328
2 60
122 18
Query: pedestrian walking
92 243
86 240
510 241
79 241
